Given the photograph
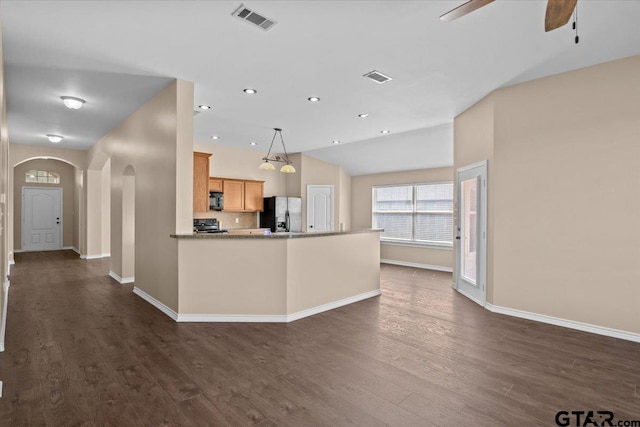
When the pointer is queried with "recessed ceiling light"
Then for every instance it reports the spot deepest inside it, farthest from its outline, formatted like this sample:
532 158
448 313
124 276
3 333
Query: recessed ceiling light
215 137
250 91
336 142
385 131
253 144
72 102
204 107
363 115
54 138
314 99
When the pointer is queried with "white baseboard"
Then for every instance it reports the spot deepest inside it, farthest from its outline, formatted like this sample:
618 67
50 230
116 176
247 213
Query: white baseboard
276 318
330 306
121 280
472 298
571 324
231 318
98 256
3 318
154 302
417 265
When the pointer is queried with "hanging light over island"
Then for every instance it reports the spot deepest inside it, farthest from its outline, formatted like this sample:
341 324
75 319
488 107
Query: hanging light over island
268 159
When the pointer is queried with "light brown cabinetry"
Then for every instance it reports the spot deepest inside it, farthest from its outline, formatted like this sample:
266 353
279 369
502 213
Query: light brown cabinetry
215 184
201 182
233 195
253 192
242 196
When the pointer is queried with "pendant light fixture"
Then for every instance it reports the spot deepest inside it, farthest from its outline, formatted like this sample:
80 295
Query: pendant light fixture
267 165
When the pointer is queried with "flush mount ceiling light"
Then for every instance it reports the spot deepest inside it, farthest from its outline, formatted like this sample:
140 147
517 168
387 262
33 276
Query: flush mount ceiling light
215 137
267 165
72 102
363 115
204 107
253 144
250 91
54 138
385 131
336 142
313 99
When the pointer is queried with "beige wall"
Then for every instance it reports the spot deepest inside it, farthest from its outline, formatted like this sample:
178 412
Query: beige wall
286 275
67 183
473 136
344 213
77 208
21 152
311 171
241 163
106 209
214 278
6 228
321 270
151 141
231 162
361 200
566 203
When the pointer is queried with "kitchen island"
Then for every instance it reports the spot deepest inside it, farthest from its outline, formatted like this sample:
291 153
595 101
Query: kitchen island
273 278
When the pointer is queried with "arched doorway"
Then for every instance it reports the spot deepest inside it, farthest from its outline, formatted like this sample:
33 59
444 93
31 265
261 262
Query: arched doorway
45 179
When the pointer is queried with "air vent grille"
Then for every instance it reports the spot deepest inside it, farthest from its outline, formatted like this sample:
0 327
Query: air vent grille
254 18
377 77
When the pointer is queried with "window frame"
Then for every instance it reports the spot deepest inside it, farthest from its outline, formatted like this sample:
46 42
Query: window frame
42 173
414 212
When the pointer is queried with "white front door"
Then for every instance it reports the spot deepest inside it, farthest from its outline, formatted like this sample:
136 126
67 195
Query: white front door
319 207
41 219
471 236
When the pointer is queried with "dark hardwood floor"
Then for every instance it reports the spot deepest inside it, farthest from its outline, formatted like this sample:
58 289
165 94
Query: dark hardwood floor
84 350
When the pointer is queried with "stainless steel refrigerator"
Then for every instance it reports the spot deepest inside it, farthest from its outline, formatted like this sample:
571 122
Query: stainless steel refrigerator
282 214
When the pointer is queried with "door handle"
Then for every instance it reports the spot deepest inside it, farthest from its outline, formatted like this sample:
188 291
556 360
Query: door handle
457 237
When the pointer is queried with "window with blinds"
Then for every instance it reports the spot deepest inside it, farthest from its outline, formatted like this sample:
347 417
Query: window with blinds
417 213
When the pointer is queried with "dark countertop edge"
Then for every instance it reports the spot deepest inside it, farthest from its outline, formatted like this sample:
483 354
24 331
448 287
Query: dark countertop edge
272 236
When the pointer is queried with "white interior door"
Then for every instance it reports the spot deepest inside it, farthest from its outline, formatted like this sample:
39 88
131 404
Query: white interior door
41 219
319 207
471 236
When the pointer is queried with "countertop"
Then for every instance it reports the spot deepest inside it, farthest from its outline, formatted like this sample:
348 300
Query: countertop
284 235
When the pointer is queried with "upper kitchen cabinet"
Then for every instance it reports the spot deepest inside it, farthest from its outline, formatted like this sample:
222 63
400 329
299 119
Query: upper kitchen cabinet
201 182
253 196
215 184
243 196
233 195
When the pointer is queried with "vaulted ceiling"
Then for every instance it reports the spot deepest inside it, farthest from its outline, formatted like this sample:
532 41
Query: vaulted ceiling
118 54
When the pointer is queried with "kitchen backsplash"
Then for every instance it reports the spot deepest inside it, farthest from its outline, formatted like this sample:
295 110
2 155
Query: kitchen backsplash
228 219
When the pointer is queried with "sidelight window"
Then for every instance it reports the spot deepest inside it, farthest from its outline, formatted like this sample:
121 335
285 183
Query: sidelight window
420 214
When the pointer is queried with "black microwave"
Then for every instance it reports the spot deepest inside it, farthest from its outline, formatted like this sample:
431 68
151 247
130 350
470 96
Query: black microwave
216 201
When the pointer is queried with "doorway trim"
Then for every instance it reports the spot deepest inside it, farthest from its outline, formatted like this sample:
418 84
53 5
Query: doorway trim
481 260
309 199
23 219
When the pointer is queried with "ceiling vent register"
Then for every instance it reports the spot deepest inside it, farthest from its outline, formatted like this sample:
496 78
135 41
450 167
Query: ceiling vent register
377 77
252 17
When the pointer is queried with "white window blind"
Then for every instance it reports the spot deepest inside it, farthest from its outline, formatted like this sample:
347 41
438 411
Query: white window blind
417 213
